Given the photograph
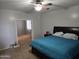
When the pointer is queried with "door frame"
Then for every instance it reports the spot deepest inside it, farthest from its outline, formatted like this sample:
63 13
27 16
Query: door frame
17 31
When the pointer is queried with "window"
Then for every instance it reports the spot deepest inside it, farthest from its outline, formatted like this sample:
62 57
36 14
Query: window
29 25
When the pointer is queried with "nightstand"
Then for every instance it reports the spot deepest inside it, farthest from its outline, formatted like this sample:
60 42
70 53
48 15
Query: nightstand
45 35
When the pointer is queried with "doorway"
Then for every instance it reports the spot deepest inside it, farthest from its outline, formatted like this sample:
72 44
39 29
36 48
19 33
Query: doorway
24 31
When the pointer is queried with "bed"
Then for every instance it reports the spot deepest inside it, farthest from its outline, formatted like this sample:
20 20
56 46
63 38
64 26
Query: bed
54 47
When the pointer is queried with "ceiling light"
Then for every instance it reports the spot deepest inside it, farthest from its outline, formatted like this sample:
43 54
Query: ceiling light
29 1
44 2
38 7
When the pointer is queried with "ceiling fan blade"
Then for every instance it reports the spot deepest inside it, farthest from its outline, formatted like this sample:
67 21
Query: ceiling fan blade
60 6
39 1
52 4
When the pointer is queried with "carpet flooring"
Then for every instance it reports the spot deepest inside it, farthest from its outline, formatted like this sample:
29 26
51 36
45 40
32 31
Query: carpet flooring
22 52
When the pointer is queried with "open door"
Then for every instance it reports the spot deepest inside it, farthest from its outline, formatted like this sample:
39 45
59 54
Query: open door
24 30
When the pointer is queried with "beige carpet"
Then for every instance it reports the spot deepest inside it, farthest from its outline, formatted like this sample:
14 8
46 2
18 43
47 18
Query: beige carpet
22 52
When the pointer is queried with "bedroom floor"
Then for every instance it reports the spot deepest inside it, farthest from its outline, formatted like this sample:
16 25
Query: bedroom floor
22 52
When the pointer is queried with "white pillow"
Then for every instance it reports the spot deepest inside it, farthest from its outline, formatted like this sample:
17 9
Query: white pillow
70 36
60 34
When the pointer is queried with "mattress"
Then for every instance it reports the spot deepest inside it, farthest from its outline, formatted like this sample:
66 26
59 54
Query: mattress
57 47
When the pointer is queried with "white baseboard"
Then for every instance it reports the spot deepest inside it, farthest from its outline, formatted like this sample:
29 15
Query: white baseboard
9 47
4 48
16 46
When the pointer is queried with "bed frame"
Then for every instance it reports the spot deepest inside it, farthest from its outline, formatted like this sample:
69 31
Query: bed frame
74 30
39 54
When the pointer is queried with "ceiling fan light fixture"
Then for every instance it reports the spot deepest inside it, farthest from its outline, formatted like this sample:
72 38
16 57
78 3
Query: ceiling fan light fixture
44 2
30 1
38 7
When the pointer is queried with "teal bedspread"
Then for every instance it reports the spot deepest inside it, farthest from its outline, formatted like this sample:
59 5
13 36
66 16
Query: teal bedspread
57 47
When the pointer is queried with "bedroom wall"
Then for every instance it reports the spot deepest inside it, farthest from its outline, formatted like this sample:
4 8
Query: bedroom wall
63 17
36 25
8 26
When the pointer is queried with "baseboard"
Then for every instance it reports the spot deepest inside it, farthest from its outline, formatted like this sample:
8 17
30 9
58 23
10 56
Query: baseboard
16 46
4 49
9 47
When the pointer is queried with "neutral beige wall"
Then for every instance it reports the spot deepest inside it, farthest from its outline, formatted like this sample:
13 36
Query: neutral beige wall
7 29
68 17
36 25
8 26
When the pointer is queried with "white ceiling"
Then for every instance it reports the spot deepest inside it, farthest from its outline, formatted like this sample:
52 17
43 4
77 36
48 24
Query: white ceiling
22 5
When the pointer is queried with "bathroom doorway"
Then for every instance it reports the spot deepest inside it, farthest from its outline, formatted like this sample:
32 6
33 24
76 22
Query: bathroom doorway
24 32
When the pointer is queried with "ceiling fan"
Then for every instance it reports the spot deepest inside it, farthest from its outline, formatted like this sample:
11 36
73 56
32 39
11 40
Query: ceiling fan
39 4
42 4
